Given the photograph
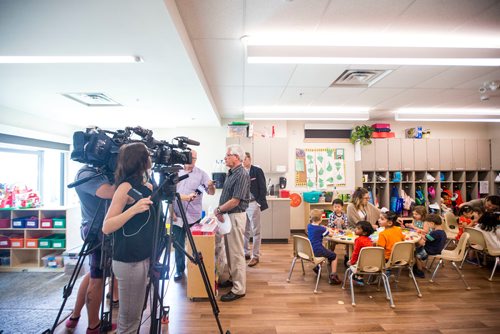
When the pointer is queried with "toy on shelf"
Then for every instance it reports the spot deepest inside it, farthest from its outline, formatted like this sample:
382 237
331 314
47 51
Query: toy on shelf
15 196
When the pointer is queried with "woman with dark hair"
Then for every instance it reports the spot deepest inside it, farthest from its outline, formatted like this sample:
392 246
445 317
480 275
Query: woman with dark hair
489 225
361 209
132 224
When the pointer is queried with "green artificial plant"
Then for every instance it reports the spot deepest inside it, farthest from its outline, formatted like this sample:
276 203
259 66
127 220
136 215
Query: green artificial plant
362 133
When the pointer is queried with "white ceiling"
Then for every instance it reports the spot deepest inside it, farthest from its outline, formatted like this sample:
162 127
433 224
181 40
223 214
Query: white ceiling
195 72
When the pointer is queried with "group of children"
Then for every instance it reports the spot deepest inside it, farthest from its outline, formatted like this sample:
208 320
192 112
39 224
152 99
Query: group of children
432 241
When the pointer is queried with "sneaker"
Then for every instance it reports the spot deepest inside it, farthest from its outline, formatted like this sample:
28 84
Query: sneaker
388 273
358 281
97 330
72 322
334 279
418 273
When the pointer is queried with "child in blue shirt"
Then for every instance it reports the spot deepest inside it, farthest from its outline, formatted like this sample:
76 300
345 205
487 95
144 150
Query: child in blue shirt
430 244
316 232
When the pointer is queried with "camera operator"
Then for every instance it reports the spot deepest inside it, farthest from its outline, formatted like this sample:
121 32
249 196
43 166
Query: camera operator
191 191
234 201
132 225
94 195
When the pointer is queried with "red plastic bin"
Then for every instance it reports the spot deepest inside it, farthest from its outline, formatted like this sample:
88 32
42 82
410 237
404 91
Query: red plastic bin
4 223
46 223
4 241
16 242
31 242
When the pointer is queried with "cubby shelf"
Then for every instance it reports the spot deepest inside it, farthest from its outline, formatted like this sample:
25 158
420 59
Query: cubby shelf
24 258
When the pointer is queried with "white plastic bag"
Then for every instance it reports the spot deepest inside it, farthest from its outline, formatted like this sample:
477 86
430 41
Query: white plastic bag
225 226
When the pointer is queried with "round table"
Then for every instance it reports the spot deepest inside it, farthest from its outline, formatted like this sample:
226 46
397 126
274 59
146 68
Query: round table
347 237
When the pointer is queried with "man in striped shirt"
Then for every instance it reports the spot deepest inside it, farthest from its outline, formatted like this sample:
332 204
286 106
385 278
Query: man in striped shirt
234 201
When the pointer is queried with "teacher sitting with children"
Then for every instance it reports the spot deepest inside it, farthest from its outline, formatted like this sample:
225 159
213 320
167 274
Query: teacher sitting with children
361 209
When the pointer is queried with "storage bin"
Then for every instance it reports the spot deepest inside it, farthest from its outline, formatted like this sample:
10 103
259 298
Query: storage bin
45 242
59 222
58 241
31 242
4 260
16 241
311 196
46 223
381 126
18 223
383 135
237 131
31 222
53 260
4 223
4 241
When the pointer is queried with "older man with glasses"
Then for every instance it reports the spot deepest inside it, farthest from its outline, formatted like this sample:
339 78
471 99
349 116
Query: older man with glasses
234 201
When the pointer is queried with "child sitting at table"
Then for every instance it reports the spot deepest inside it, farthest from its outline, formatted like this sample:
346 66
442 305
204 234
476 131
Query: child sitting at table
338 219
465 219
363 230
419 213
316 232
431 244
391 234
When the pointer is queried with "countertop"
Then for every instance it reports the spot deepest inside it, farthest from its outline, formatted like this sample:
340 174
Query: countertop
274 198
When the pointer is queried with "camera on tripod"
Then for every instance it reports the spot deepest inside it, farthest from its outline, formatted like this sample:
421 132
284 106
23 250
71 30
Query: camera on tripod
98 149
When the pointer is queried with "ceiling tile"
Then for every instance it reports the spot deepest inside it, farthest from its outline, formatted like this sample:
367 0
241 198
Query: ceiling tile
312 75
373 96
262 96
300 95
268 74
413 98
227 97
409 76
336 96
222 61
454 76
224 17
361 15
494 75
265 16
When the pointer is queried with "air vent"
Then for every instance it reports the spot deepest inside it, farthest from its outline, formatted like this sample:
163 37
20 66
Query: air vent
359 78
93 99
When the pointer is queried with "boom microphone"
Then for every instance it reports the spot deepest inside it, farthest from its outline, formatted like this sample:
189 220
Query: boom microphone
188 141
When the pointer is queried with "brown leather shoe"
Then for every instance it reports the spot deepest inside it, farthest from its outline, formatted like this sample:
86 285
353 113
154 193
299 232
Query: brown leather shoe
253 262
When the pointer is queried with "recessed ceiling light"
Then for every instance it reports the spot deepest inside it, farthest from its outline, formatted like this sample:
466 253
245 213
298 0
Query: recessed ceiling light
447 115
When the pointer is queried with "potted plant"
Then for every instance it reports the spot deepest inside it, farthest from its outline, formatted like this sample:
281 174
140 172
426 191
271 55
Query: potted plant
362 134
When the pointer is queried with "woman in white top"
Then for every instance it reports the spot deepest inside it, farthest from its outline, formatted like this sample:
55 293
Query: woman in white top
489 225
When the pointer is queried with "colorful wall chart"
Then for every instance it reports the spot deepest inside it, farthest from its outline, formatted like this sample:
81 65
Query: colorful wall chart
319 168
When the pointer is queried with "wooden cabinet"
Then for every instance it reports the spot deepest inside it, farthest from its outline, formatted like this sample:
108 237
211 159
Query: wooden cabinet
420 154
195 286
394 154
26 245
432 146
483 154
407 154
275 221
445 154
244 142
368 157
262 153
270 154
495 154
458 149
381 154
471 158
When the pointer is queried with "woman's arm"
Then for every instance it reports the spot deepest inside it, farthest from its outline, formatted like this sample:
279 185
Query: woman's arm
116 217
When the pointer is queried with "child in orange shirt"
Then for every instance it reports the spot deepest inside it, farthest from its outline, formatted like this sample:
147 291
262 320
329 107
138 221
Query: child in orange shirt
391 234
465 219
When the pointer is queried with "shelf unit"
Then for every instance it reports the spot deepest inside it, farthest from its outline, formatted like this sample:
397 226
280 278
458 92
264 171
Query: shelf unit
30 259
468 182
321 206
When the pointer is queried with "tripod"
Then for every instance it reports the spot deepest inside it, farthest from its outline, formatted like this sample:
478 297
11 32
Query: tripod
90 244
160 271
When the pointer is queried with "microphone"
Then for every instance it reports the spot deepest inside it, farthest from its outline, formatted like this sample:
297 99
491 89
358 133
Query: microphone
188 141
201 188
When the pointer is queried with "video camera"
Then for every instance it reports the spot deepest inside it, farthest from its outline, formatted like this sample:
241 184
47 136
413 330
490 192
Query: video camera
97 149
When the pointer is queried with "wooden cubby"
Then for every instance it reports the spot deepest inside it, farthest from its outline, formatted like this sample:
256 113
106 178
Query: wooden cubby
22 259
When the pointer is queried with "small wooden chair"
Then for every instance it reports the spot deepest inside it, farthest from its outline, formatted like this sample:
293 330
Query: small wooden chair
302 250
371 261
456 255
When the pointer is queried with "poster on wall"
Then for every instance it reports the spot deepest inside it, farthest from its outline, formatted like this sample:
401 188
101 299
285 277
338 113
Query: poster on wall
319 168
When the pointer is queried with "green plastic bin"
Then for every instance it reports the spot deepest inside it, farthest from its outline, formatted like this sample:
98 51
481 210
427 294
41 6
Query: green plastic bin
58 222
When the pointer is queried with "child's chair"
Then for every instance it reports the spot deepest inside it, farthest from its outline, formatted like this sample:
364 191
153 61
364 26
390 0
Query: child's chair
450 227
476 242
403 256
456 255
302 250
371 261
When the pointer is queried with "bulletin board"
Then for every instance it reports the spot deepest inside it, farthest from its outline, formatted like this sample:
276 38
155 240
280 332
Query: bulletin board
320 167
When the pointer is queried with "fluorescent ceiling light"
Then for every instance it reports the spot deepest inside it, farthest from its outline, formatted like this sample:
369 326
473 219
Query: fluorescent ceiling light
68 59
306 113
369 55
447 115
